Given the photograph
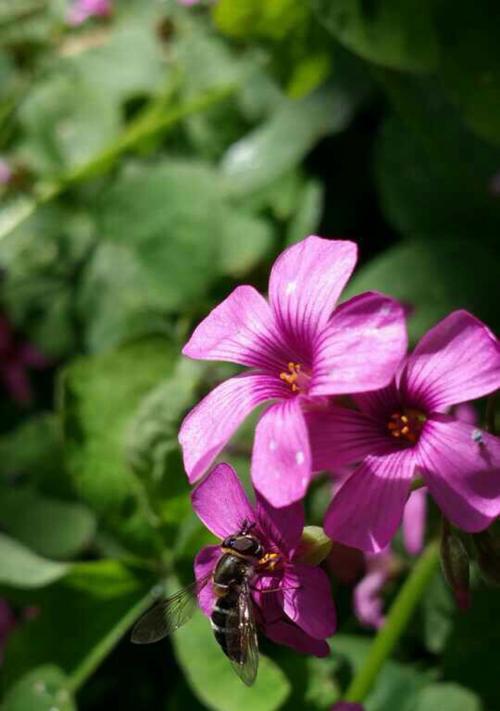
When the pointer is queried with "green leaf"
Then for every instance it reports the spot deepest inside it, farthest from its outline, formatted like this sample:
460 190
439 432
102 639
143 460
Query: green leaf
273 19
246 239
161 217
281 142
395 33
100 396
433 278
41 258
34 449
42 689
470 69
153 449
424 188
52 528
66 120
20 567
308 212
97 65
396 685
470 657
81 619
214 682
439 612
116 300
451 697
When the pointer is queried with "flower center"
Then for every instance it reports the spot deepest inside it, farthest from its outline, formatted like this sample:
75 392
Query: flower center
296 377
406 424
269 561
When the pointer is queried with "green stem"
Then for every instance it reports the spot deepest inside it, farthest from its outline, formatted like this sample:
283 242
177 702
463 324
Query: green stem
152 122
90 663
397 620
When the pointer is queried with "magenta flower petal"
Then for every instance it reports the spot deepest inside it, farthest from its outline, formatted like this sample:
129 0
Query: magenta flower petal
282 526
283 632
16 382
240 330
414 518
466 413
209 426
307 600
368 508
368 604
339 436
457 360
204 564
281 459
221 502
461 466
305 283
361 347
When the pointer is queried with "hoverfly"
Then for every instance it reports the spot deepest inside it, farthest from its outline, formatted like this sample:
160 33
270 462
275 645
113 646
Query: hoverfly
232 618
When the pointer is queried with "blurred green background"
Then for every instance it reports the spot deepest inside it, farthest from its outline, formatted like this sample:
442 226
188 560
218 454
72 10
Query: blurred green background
150 160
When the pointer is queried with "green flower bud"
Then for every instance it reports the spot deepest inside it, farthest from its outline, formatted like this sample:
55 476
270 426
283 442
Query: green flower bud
314 546
487 546
455 566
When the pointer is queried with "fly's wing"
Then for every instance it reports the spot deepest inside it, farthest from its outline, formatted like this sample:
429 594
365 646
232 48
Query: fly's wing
169 614
244 650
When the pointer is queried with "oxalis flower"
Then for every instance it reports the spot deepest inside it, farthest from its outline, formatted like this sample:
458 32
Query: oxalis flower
300 351
82 10
292 600
404 428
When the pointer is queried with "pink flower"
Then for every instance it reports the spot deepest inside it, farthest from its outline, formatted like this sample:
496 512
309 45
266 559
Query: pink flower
297 610
299 353
346 706
82 10
7 624
15 358
404 427
5 172
368 603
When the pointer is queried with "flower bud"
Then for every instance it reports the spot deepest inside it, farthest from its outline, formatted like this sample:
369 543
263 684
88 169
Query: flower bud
487 546
455 566
314 546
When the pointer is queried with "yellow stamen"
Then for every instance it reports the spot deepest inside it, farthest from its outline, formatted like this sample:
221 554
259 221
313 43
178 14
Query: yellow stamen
269 560
292 376
406 425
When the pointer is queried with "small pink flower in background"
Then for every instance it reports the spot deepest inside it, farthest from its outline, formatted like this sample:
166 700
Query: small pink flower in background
404 428
368 603
301 351
7 624
298 609
15 358
5 172
82 10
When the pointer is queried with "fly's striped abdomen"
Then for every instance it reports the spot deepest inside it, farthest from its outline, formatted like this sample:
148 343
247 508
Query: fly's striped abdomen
225 625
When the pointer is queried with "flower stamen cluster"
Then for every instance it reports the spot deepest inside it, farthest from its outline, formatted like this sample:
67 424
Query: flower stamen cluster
406 425
295 378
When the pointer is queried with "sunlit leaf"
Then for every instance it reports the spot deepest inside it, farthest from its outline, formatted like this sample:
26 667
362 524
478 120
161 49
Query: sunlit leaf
214 682
41 689
20 567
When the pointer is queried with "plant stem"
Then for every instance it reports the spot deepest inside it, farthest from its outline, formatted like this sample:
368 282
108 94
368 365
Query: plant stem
152 122
90 663
397 620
